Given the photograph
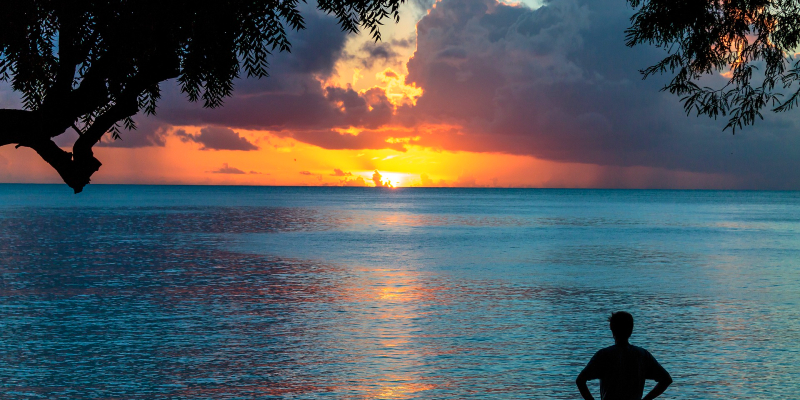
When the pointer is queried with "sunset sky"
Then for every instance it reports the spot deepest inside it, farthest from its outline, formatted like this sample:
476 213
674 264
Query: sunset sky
459 93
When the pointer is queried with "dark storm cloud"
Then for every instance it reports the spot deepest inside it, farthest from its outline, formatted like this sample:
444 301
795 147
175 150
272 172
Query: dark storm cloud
8 97
381 52
378 52
332 140
217 138
292 97
310 107
558 83
149 132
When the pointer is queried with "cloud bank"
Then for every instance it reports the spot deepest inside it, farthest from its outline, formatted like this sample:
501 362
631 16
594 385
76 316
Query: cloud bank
217 138
556 83
225 169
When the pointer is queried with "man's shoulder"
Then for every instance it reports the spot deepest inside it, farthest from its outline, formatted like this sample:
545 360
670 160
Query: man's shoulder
606 350
641 350
613 349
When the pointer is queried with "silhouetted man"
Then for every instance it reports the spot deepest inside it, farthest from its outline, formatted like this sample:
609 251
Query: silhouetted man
623 367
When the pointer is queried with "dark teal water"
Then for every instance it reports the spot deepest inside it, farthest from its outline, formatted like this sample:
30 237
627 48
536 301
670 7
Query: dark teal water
140 292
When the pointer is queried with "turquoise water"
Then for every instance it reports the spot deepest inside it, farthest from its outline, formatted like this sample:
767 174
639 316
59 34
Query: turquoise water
138 292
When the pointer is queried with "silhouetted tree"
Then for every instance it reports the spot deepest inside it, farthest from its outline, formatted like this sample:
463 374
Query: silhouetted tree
91 65
752 42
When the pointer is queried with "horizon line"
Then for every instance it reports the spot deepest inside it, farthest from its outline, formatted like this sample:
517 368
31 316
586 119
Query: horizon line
401 187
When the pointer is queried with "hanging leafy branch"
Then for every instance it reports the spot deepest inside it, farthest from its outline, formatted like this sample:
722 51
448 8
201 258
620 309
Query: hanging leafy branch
752 43
92 65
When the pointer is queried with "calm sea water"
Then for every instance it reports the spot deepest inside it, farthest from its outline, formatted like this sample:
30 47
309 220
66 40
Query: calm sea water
139 292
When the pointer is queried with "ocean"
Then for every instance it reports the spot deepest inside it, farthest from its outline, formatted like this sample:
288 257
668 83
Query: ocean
200 292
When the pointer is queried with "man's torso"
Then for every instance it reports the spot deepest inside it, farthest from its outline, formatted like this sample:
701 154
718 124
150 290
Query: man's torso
622 370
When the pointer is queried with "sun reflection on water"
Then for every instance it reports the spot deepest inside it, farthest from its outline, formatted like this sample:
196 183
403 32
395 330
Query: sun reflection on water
392 298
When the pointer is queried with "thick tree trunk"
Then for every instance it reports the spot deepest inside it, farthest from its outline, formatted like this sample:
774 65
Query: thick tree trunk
75 171
28 128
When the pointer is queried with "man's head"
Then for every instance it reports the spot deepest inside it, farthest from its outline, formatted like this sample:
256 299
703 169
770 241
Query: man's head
621 324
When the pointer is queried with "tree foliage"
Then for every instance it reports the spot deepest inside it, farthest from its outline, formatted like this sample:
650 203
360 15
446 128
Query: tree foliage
91 65
752 43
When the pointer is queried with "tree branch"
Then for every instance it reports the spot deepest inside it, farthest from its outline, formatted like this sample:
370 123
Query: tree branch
62 161
14 124
23 128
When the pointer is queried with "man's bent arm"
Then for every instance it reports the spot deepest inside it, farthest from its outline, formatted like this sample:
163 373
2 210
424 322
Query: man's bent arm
581 382
661 386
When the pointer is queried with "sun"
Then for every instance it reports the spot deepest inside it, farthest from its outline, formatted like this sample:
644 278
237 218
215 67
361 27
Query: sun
398 179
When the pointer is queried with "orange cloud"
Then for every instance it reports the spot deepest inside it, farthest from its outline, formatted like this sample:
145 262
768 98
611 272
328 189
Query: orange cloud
396 89
183 163
339 172
357 181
